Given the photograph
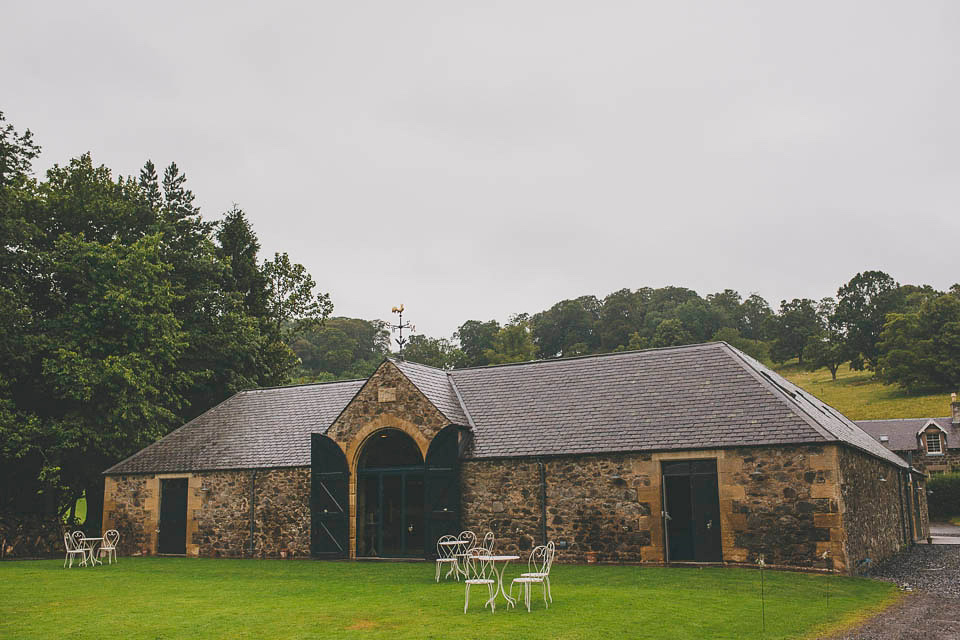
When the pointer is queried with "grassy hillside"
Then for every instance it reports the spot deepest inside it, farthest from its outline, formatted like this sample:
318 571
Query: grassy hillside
859 397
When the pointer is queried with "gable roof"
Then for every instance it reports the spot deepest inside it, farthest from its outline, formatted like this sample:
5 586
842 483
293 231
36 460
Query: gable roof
690 397
435 385
703 396
903 433
252 429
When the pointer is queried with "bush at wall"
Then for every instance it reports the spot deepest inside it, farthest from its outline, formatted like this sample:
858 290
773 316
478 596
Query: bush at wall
944 496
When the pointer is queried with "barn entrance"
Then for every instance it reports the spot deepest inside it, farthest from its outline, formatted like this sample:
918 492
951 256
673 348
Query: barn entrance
390 490
691 511
172 527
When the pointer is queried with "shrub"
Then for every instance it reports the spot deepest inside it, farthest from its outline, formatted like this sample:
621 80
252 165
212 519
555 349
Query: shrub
944 496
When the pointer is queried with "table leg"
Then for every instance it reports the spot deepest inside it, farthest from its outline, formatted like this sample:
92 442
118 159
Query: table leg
510 601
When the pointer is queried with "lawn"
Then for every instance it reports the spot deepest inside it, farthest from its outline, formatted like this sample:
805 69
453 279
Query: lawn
207 598
857 395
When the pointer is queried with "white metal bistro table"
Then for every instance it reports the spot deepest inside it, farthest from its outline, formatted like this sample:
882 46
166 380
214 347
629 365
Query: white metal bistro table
459 550
93 547
504 561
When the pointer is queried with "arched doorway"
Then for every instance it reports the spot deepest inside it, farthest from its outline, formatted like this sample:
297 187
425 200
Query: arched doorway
390 477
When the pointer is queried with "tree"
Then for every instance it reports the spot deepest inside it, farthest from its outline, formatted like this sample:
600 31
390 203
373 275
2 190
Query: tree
565 324
475 338
620 317
513 343
239 247
17 153
920 350
291 302
755 318
433 352
671 333
827 347
862 308
792 328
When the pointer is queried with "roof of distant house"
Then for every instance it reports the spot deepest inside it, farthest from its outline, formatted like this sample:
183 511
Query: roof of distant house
703 396
902 434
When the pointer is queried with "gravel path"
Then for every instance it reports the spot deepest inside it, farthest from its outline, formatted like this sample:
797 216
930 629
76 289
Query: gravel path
930 575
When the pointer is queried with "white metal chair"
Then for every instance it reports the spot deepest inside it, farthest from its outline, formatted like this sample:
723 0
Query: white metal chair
488 540
80 543
538 572
446 555
73 550
479 572
109 545
460 555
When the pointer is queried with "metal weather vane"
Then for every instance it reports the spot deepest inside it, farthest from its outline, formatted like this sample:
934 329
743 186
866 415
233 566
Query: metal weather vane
400 326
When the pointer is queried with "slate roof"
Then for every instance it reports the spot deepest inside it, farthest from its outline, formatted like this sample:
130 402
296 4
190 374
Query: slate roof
435 385
903 433
252 429
690 397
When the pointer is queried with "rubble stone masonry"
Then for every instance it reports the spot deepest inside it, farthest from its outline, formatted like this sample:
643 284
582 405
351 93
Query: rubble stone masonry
783 502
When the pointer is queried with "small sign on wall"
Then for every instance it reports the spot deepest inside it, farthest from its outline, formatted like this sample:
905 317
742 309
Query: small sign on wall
387 394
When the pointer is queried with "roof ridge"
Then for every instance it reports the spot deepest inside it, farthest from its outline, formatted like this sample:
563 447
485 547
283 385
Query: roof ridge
299 385
609 354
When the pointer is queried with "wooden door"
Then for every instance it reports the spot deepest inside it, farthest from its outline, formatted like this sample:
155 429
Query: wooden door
329 505
172 537
692 511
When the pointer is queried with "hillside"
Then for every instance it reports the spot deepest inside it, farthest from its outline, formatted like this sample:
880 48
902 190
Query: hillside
859 397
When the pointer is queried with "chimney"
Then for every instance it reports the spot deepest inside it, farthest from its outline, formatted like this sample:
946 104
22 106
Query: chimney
954 410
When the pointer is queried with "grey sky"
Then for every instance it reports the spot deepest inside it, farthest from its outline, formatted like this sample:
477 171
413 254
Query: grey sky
473 162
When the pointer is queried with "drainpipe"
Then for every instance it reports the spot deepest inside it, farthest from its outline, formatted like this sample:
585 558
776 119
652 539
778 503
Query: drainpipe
543 501
910 496
253 502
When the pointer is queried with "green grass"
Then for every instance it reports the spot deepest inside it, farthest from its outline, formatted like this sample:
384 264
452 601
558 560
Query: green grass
859 397
207 598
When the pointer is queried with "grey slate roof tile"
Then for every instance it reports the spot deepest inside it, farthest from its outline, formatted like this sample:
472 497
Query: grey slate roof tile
697 396
252 429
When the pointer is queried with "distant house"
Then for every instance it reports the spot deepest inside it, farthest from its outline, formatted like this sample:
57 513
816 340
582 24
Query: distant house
933 444
687 454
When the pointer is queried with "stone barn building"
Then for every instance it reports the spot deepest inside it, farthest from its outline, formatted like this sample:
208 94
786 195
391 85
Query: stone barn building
687 454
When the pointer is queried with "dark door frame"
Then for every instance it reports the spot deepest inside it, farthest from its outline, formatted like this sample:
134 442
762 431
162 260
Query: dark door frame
165 523
706 541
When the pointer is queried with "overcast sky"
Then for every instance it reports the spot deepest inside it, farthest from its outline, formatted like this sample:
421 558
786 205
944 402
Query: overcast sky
474 162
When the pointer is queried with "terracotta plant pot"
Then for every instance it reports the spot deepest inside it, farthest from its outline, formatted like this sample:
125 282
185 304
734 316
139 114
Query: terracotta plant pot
592 557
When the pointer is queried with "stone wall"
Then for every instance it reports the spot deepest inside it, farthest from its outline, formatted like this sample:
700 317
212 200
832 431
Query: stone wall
218 512
872 508
502 496
130 507
782 502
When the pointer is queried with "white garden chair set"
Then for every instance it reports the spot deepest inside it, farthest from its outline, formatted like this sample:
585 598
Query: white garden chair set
90 550
478 566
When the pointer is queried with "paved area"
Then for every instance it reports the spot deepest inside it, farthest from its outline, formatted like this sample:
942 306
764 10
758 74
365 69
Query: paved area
929 575
944 530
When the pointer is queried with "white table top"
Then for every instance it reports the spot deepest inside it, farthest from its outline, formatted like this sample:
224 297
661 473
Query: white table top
498 558
450 543
88 539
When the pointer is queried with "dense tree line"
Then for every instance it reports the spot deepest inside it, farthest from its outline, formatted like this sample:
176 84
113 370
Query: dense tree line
908 335
124 314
